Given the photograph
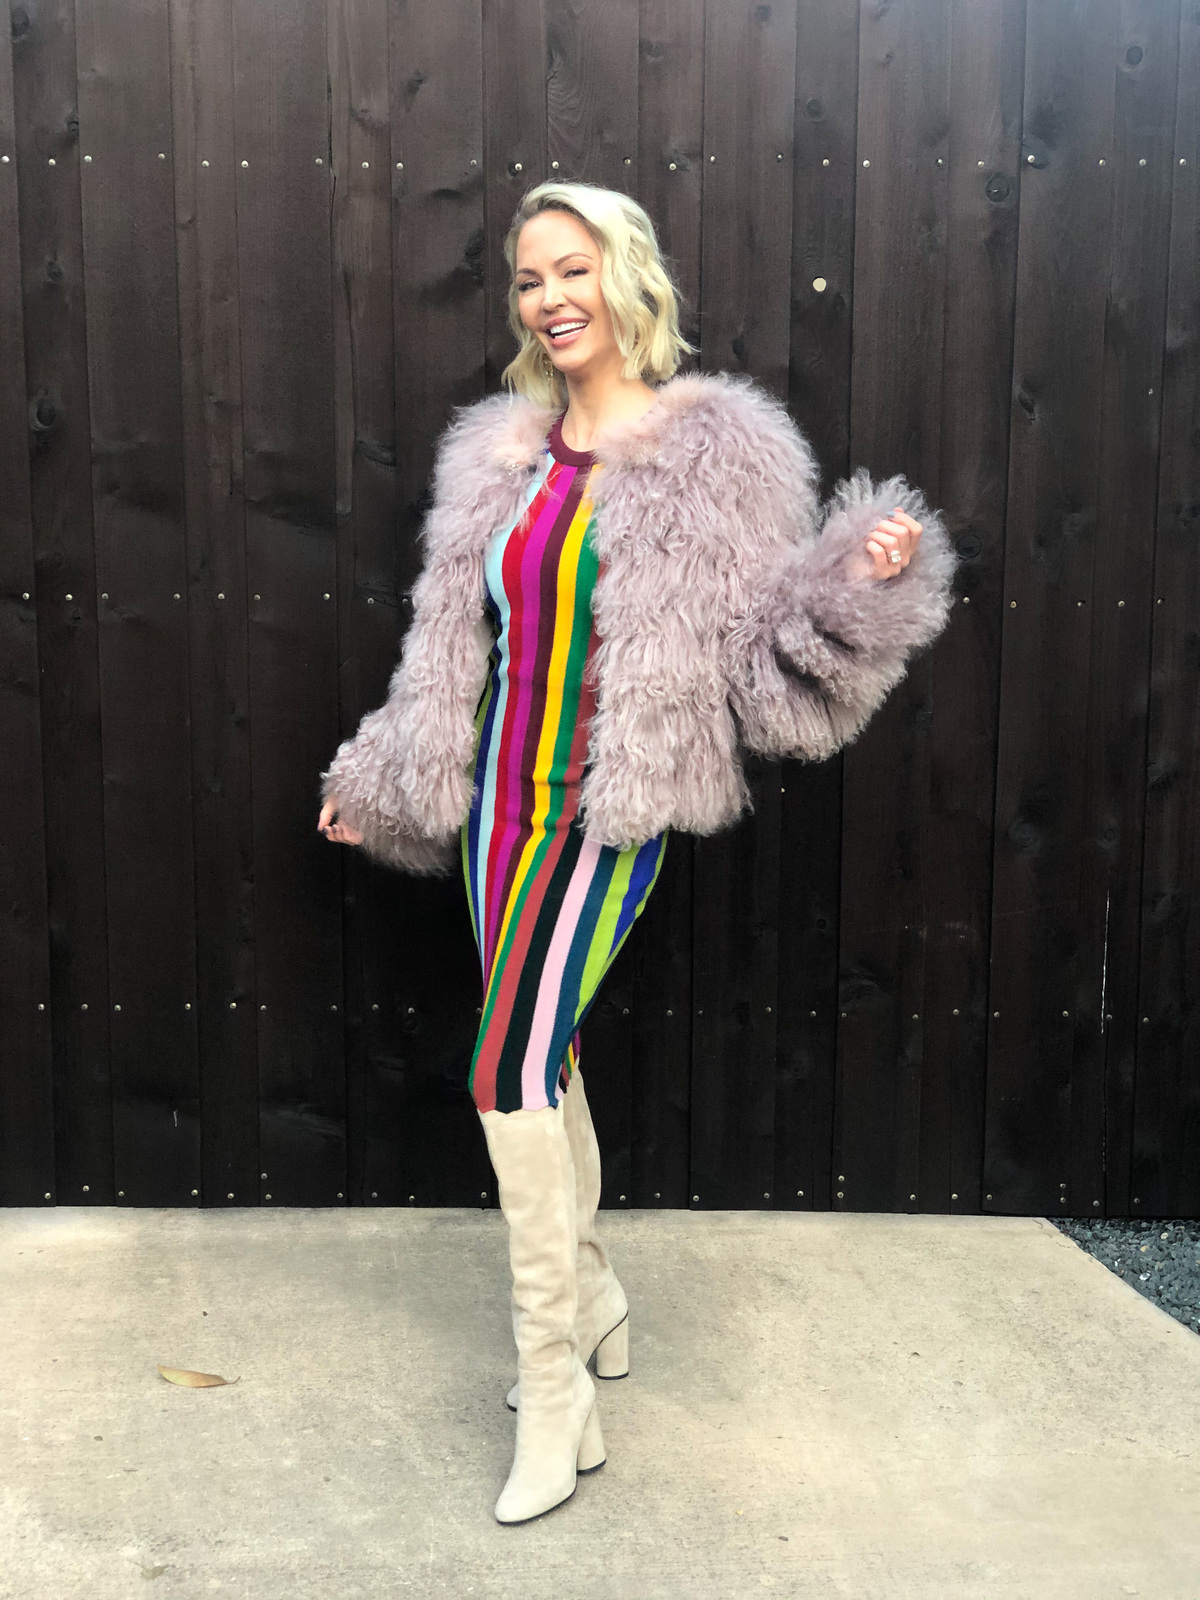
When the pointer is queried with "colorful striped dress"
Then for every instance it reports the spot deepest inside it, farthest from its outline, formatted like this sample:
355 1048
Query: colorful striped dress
550 908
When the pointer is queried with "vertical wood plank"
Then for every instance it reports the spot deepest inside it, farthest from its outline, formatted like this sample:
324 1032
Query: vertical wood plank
592 91
514 144
749 93
210 381
1123 605
48 188
420 1139
670 172
670 179
1163 1173
141 572
819 400
901 201
367 175
26 1062
284 187
661 1052
1043 1059
982 218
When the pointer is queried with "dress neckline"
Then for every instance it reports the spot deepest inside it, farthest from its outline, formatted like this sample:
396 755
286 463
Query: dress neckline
562 452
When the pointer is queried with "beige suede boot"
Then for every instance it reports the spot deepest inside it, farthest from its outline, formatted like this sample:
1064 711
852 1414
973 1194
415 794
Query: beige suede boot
558 1427
602 1317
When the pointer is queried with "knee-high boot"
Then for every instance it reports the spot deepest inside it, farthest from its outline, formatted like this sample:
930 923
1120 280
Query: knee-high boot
601 1320
602 1316
558 1428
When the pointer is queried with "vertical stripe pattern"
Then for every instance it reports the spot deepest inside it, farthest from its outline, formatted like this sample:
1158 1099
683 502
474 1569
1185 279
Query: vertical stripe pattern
550 908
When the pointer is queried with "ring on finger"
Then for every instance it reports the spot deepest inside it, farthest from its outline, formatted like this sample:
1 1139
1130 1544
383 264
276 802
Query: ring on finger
894 556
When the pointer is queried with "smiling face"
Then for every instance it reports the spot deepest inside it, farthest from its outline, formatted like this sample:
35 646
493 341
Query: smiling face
558 293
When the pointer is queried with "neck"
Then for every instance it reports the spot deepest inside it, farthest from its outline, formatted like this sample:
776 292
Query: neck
598 398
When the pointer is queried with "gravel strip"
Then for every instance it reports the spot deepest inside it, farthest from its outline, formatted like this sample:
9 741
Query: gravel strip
1161 1259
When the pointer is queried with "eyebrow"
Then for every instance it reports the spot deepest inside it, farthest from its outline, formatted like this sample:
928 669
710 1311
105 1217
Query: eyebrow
560 260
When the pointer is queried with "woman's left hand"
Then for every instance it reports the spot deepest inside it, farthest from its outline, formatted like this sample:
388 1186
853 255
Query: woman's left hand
890 545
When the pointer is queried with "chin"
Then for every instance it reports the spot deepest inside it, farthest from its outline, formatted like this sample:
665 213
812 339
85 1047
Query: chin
569 361
572 362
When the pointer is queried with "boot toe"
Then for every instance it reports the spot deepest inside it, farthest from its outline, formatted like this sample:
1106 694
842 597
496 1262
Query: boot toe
519 1503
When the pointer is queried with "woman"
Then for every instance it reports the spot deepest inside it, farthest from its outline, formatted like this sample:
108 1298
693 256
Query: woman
623 586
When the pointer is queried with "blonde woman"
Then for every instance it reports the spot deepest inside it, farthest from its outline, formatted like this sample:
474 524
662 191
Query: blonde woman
628 580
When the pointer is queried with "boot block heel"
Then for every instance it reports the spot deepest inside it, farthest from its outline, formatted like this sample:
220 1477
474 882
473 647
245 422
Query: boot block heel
612 1353
591 1446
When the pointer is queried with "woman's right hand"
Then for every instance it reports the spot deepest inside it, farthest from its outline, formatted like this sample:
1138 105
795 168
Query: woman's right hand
339 832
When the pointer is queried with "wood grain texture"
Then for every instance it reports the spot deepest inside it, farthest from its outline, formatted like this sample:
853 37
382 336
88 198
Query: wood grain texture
123 61
284 191
746 234
670 170
645 1137
234 379
1165 1125
27 1081
420 1142
1044 1065
367 177
592 91
900 267
514 147
205 171
47 158
1135 325
982 218
824 118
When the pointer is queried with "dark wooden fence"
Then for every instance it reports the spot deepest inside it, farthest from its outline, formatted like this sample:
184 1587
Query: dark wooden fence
250 257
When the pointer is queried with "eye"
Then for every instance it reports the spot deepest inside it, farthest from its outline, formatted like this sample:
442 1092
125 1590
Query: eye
530 283
572 270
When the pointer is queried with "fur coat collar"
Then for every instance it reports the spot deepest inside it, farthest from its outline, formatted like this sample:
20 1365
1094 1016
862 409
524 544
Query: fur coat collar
726 616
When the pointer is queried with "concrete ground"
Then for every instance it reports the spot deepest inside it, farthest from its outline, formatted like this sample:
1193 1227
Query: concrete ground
870 1406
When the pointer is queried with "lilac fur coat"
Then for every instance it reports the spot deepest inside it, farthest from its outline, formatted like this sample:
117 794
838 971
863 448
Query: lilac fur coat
725 615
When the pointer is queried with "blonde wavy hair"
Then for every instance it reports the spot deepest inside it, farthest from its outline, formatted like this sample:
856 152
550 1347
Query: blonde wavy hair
641 296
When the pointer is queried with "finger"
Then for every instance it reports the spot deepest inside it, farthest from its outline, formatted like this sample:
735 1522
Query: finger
895 546
343 833
894 558
880 557
914 527
904 541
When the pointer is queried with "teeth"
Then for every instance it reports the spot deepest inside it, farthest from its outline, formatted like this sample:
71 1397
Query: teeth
565 327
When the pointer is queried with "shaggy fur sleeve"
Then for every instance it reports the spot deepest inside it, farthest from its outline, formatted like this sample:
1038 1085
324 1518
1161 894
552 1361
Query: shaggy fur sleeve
404 779
823 649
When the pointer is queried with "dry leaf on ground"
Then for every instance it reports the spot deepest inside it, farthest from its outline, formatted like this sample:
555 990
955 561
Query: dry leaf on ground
194 1380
